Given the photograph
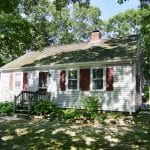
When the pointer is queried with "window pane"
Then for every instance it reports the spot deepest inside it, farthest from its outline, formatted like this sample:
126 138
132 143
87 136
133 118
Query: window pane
43 79
17 83
72 74
72 84
18 80
97 84
97 73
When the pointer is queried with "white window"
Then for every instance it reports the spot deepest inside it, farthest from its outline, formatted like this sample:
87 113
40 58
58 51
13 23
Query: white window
97 79
72 79
18 80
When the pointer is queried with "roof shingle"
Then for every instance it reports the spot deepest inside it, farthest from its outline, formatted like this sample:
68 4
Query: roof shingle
106 49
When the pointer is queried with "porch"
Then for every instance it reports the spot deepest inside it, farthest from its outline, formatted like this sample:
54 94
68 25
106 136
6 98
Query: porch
25 100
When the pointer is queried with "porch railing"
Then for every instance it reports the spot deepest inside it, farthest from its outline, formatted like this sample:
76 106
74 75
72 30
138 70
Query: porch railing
29 98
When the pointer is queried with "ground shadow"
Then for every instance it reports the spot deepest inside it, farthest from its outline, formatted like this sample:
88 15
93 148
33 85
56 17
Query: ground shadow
120 133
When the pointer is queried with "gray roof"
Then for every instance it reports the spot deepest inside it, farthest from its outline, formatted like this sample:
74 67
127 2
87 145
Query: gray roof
105 49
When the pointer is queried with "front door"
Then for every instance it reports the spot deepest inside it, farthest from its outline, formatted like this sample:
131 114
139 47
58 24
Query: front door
84 79
25 81
43 82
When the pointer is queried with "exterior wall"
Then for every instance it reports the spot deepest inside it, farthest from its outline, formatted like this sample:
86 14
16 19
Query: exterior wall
7 94
120 99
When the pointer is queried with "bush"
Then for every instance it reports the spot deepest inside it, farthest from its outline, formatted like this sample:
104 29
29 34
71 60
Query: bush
91 105
46 107
6 107
146 93
73 113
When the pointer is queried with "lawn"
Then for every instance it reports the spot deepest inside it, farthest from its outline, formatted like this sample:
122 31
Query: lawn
113 132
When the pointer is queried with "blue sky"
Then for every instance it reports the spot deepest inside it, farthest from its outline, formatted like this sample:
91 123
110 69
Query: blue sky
110 8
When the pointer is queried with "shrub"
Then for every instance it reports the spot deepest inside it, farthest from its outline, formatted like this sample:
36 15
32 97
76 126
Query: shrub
6 107
146 93
46 107
73 113
91 104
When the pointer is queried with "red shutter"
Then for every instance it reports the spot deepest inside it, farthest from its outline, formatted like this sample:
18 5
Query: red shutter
109 79
10 81
25 81
63 80
85 79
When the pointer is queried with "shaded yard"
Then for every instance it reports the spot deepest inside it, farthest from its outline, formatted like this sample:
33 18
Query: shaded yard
114 132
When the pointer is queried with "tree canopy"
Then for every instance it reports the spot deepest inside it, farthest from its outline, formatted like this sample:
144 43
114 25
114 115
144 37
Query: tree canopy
34 24
124 24
27 25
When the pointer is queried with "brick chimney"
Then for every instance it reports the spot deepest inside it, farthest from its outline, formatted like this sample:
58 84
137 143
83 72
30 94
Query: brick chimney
95 36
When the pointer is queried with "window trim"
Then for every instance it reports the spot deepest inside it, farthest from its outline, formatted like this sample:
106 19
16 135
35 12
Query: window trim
78 78
104 78
67 79
20 74
42 87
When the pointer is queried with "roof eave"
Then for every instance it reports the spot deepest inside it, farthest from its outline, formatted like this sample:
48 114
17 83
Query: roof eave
83 64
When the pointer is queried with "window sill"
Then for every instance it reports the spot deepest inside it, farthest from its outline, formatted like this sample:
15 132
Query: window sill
97 90
43 87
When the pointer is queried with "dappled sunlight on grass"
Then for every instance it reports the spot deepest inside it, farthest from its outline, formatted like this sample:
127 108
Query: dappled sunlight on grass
21 131
109 138
58 130
110 133
40 131
7 137
71 133
88 140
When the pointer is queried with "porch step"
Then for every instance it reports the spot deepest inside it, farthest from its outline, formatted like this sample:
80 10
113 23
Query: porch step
22 111
22 115
24 105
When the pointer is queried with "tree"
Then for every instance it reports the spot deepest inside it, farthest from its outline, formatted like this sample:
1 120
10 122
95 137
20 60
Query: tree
13 29
17 33
124 24
34 24
145 36
84 21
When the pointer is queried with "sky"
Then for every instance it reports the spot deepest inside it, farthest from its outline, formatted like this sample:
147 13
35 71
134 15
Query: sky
110 8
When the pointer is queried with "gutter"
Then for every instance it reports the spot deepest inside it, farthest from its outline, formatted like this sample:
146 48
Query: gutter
83 64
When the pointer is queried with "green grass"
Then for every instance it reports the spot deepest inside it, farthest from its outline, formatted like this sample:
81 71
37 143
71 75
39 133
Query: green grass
114 132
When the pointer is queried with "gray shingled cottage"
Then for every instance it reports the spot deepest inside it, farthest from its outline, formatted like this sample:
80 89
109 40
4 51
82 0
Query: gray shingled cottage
107 68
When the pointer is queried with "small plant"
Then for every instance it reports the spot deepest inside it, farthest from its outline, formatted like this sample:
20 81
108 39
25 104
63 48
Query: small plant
73 113
146 94
6 107
45 107
91 104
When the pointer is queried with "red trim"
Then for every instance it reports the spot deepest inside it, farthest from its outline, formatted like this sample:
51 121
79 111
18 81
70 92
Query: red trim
109 79
84 79
63 80
10 81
